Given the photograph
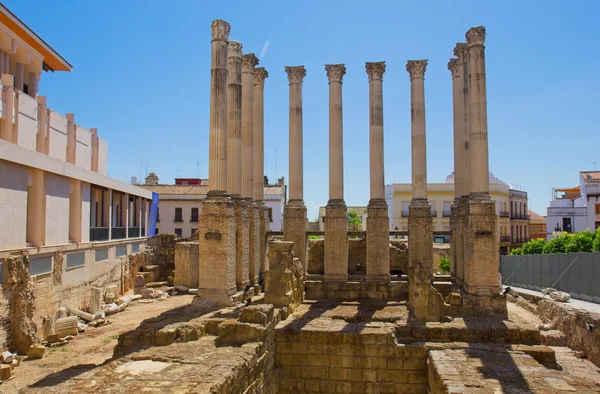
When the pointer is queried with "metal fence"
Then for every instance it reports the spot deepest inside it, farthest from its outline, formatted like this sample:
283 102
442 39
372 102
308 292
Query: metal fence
575 273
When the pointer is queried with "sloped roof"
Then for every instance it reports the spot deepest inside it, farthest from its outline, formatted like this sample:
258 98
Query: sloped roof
535 217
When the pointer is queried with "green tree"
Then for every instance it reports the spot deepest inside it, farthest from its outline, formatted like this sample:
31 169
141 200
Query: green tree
266 180
516 252
558 244
444 264
535 246
354 221
596 244
581 242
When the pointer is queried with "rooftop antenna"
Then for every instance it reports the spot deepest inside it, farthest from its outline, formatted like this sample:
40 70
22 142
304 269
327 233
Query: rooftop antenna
178 172
276 179
198 169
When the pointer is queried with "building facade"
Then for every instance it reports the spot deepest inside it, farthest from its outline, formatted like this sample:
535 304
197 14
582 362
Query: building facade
519 218
179 205
54 188
577 208
441 196
537 226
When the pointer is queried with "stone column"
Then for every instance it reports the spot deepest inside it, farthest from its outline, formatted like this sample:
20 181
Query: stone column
481 223
425 302
378 232
217 227
260 74
41 143
34 79
71 139
249 62
234 163
294 222
336 216
6 130
19 76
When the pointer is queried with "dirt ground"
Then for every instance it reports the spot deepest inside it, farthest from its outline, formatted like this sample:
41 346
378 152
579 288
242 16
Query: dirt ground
94 346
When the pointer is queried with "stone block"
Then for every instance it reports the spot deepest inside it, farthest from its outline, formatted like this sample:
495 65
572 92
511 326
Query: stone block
96 299
186 264
257 314
294 230
36 351
378 239
336 243
139 281
5 371
233 333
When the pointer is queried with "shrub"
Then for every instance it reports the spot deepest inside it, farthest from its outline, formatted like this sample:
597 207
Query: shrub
314 237
516 252
596 244
581 242
444 264
558 244
535 246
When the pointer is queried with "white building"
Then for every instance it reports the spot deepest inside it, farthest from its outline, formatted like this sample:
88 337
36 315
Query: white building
179 205
54 188
575 209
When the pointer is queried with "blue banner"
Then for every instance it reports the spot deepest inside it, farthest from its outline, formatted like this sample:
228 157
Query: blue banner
153 215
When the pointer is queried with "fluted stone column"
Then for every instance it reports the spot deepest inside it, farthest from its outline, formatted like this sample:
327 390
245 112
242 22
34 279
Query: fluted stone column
234 163
260 74
294 214
249 62
336 219
425 302
217 227
481 279
378 232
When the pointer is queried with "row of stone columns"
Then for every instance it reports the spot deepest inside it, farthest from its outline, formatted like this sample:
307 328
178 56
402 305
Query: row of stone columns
233 222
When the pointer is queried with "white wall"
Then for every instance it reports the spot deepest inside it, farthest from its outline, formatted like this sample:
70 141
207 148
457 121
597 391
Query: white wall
85 212
277 208
27 121
102 157
83 152
579 219
57 209
58 136
13 205
167 225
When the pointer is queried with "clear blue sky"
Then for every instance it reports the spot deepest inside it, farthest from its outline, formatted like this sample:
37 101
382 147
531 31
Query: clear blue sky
141 76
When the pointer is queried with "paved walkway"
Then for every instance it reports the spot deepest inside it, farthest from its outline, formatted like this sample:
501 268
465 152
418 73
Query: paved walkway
588 306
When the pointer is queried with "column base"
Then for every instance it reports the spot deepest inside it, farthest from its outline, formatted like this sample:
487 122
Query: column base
378 242
484 305
481 262
242 220
336 242
217 250
294 229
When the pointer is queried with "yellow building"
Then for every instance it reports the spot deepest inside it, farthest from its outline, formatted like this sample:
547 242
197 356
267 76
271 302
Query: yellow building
441 196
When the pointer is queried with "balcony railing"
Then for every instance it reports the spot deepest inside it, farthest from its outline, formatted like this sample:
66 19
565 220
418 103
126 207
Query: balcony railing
519 216
447 214
504 214
194 218
119 232
405 214
505 238
178 219
133 232
98 234
518 241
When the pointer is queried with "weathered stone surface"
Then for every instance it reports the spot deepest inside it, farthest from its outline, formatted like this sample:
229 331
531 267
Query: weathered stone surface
378 238
336 242
186 264
257 314
284 285
36 351
294 230
22 304
5 372
234 333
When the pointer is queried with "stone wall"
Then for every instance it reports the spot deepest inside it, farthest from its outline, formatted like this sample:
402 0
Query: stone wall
349 358
165 253
357 256
318 290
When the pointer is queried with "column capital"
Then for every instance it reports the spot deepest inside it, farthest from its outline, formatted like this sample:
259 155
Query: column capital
416 68
249 61
295 74
375 70
260 74
335 72
454 66
460 51
234 49
475 36
220 30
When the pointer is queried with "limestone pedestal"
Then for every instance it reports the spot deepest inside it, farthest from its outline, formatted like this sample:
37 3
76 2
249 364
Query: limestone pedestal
264 227
336 242
217 243
254 243
294 229
242 223
378 241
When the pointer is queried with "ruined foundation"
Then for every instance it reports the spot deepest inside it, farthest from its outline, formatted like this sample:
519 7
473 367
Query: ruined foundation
378 239
217 253
336 243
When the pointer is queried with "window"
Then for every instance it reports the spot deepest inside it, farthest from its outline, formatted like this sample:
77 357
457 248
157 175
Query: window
597 225
25 88
40 265
178 215
178 233
121 250
270 213
156 231
101 254
194 215
597 209
75 260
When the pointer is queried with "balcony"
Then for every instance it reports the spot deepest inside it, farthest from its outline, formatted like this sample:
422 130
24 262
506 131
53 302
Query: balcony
504 214
504 239
519 216
178 219
119 232
518 241
446 214
98 234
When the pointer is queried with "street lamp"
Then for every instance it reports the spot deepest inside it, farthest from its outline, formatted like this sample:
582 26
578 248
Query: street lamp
557 231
